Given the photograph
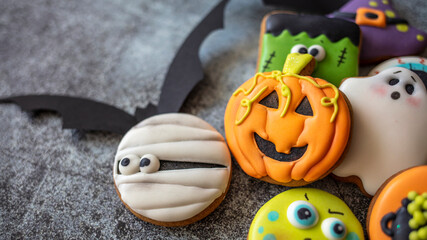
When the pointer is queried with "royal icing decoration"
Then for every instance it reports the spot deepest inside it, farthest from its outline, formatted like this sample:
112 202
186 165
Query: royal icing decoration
381 27
334 44
286 127
305 213
389 126
177 194
399 209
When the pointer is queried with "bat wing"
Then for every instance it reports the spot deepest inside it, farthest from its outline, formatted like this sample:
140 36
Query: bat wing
78 113
186 69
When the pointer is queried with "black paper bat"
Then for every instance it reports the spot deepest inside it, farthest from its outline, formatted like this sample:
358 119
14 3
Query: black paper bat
184 73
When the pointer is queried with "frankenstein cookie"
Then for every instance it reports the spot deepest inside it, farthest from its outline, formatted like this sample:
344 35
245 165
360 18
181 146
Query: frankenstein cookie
305 213
172 169
334 44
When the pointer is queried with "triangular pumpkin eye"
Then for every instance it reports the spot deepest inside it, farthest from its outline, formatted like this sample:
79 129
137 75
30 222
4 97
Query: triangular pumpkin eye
304 108
271 100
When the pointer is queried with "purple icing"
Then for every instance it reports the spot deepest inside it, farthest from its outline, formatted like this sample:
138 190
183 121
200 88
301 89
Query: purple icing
380 43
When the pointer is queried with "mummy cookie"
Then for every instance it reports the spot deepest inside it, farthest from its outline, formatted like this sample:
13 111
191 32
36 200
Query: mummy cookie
334 43
381 27
399 209
305 213
389 127
287 129
172 169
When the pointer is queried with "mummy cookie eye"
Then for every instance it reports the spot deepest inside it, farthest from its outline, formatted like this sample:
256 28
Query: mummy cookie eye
318 52
409 88
299 48
393 81
334 229
149 163
302 214
129 165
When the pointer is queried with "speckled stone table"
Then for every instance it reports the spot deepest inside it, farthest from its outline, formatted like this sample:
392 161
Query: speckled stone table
58 183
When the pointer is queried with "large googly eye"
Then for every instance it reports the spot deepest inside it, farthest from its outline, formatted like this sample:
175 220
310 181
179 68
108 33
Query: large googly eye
302 214
334 229
299 48
318 52
129 165
149 163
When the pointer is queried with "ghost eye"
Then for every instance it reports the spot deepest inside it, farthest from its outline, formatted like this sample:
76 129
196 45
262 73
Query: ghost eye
129 165
299 48
318 52
302 214
393 82
149 163
409 88
304 108
334 229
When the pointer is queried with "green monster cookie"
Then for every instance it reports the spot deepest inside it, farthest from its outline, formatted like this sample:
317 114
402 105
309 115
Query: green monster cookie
334 43
305 213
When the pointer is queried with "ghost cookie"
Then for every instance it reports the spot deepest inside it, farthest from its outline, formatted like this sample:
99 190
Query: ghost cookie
385 34
172 169
389 129
399 209
305 213
334 44
287 129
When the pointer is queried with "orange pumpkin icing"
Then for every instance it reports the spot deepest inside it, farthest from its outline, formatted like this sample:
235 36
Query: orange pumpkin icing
389 196
325 133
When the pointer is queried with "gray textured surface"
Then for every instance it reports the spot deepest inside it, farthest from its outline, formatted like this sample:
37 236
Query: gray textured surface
55 183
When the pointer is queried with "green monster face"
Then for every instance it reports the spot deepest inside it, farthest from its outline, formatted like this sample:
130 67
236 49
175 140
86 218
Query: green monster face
304 213
334 44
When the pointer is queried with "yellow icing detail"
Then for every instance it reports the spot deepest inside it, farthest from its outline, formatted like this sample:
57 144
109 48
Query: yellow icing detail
296 62
286 92
325 101
248 104
246 92
402 27
385 2
420 37
373 4
390 13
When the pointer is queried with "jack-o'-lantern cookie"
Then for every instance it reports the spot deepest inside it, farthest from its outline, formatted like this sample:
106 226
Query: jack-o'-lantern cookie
389 129
399 209
305 213
334 44
285 128
172 169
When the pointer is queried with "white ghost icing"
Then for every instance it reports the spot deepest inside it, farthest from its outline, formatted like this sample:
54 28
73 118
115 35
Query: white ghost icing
172 195
389 131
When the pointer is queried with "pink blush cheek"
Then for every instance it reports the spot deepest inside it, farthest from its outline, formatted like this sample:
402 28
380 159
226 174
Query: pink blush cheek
413 101
380 90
